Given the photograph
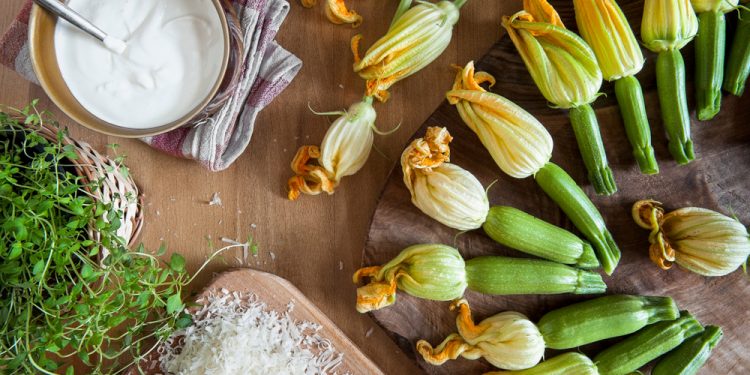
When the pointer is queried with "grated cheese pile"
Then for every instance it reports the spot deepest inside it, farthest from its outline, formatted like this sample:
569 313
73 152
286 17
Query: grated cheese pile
237 334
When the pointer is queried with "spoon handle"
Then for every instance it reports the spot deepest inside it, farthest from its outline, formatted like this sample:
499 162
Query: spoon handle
65 12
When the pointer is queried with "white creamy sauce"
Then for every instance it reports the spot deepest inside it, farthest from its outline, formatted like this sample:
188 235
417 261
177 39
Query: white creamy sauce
170 61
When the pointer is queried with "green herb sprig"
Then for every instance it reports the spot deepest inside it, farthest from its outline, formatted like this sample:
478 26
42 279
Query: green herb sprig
58 298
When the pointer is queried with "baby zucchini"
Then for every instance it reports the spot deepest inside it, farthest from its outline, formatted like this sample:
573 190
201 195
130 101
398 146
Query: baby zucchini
603 318
689 357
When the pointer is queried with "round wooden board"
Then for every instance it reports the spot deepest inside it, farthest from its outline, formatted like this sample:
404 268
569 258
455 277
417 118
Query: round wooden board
718 179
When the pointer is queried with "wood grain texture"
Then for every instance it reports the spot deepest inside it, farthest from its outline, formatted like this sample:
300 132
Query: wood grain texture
717 179
317 241
277 294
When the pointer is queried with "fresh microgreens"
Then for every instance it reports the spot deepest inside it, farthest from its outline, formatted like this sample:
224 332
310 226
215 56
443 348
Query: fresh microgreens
59 297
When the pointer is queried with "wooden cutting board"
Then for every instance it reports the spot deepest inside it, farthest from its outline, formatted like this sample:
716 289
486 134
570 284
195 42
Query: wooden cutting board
277 293
718 179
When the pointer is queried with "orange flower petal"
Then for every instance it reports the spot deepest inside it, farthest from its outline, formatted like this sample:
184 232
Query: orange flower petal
338 13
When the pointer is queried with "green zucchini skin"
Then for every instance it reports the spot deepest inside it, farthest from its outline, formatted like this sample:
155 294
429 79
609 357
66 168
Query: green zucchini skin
498 275
691 355
646 345
564 364
518 230
603 318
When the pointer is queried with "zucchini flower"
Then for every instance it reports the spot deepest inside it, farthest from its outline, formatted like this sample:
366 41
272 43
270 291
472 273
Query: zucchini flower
415 39
337 12
437 272
522 147
564 68
709 54
738 65
429 271
603 25
700 240
518 143
563 364
669 25
443 191
345 149
506 340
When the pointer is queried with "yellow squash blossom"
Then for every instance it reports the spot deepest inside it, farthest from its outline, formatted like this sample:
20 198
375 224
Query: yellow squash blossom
443 191
518 143
345 149
414 40
603 25
668 24
428 271
506 340
700 240
562 65
337 12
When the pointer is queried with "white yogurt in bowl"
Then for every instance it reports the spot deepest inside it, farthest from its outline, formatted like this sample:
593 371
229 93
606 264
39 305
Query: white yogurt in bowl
171 63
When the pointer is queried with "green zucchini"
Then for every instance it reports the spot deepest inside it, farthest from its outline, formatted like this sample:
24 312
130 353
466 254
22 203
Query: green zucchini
564 364
518 230
602 318
646 345
689 357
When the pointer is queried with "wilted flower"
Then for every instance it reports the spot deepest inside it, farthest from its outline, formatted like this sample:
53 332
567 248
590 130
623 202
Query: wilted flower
338 13
413 41
506 340
429 271
345 149
562 65
668 24
700 240
518 143
603 25
443 191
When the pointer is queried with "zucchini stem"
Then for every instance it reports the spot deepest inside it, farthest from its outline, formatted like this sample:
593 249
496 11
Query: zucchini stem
709 63
586 129
738 65
670 81
633 111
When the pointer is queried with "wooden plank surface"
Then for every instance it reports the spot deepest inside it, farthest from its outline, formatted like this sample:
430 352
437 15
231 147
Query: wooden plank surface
316 241
716 180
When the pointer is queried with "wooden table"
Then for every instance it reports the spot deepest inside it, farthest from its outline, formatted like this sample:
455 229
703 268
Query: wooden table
316 242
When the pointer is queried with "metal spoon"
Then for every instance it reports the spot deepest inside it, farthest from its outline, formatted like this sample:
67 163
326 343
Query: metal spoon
63 11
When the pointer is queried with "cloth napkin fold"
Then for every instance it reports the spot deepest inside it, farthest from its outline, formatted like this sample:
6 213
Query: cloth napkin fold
216 141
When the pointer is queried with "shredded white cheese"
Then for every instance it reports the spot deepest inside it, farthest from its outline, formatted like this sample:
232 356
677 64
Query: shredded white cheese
215 200
237 334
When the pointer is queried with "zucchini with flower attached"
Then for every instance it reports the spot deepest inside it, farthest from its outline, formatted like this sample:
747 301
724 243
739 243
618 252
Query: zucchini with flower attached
667 26
646 345
699 240
507 340
564 68
710 46
454 197
603 25
438 272
522 147
738 64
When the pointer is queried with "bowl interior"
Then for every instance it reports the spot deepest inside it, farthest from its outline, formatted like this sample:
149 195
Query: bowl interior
42 25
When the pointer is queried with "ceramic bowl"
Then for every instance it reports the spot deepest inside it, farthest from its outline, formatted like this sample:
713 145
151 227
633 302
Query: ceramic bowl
42 25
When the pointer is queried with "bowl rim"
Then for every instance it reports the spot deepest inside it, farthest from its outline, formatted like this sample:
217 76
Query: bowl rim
106 127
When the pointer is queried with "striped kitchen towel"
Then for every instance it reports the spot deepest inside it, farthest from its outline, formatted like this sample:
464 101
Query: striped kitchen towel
218 139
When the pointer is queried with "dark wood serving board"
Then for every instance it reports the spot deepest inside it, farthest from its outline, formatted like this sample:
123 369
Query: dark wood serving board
718 179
